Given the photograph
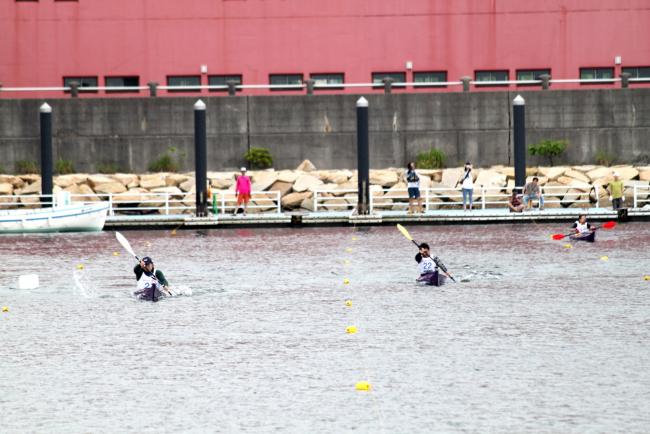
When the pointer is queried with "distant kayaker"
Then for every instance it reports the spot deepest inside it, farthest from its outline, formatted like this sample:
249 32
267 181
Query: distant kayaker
413 185
581 226
151 282
243 190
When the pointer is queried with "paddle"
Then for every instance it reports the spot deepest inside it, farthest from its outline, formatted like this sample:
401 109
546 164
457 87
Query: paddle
606 225
440 265
127 246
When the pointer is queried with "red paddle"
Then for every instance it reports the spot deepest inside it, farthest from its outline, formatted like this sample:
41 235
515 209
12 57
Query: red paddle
606 225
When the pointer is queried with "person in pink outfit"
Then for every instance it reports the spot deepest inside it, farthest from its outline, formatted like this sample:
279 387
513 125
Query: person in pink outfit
243 190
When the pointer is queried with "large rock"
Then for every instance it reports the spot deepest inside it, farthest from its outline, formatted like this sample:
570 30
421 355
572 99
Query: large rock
306 182
577 175
175 179
31 178
338 176
434 174
552 173
128 179
154 180
571 197
644 173
110 188
171 190
509 172
190 184
13 180
599 173
565 180
490 179
133 195
31 202
221 180
584 168
263 180
82 193
385 178
626 173
293 200
306 166
33 188
308 204
288 176
6 189
95 180
335 204
450 177
283 187
64 181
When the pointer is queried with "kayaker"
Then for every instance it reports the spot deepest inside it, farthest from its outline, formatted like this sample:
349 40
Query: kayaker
151 282
581 226
426 265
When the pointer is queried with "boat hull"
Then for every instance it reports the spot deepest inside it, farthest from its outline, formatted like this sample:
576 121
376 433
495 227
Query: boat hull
432 279
589 237
69 218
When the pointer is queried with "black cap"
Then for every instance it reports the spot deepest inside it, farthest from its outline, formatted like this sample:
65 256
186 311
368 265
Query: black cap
147 260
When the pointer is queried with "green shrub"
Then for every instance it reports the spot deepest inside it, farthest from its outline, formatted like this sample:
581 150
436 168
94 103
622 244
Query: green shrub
431 159
24 167
549 149
258 158
108 168
167 161
605 158
63 167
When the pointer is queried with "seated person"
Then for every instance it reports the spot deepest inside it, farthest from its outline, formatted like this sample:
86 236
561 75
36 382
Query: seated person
533 192
514 203
581 226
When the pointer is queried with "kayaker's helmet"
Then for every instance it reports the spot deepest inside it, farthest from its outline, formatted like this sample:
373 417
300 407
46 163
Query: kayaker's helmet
424 246
147 260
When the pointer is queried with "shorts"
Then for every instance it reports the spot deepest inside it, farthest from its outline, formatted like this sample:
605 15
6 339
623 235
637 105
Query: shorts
414 193
243 198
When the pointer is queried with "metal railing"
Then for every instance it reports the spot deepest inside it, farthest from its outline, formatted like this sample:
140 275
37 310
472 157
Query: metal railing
148 203
316 86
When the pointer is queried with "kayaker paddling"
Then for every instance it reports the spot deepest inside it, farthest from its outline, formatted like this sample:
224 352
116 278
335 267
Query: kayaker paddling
151 282
581 227
431 269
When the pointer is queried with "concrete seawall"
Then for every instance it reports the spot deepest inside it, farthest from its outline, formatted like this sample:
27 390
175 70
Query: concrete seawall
130 133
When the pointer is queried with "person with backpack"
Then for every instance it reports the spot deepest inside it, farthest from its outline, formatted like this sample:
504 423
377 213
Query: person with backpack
467 186
413 185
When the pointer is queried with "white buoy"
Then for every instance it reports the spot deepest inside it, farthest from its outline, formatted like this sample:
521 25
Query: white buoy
28 281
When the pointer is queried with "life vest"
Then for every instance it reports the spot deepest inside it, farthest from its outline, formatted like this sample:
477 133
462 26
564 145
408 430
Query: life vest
148 287
427 265
582 228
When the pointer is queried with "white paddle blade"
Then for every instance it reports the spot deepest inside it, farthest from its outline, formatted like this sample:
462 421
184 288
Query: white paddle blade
125 243
404 232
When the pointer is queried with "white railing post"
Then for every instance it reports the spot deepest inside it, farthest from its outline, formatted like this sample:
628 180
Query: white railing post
166 203
597 196
482 197
370 203
111 211
634 200
223 203
278 200
426 199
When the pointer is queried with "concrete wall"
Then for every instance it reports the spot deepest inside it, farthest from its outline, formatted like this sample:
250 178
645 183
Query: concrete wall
131 133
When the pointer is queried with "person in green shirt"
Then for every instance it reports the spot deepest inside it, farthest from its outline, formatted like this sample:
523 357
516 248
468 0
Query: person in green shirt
615 189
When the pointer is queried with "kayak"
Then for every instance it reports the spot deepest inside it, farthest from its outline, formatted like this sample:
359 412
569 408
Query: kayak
432 279
590 237
154 294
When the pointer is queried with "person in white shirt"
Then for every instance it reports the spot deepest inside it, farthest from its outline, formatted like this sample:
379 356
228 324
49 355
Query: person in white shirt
413 185
581 226
467 186
426 265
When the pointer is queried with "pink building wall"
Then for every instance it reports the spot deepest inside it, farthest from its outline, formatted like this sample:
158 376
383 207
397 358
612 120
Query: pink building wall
43 41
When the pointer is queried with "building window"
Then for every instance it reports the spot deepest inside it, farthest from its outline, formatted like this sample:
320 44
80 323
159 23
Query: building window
642 72
531 74
378 78
183 81
480 76
327 81
222 80
81 82
429 79
286 80
596 74
130 81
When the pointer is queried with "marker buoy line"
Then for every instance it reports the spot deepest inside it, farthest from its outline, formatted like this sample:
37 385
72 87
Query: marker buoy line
350 330
5 308
604 258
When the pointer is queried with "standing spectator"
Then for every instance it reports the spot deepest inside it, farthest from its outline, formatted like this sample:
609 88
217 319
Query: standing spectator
533 192
615 189
243 190
514 203
413 185
467 185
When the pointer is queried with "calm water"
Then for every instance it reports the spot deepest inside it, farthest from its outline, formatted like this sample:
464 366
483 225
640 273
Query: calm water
537 338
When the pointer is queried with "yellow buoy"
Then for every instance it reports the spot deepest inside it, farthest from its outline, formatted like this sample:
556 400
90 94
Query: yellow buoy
5 308
351 330
362 385
354 238
346 262
346 281
116 253
80 267
348 303
567 246
349 250
604 258
646 277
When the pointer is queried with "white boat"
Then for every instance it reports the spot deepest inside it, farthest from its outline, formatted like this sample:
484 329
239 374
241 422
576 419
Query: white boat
65 218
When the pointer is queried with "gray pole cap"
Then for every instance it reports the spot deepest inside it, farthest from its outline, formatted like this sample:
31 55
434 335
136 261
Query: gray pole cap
199 105
45 108
519 100
362 102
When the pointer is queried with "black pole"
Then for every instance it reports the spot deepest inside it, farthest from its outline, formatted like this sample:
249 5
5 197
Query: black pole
363 159
46 155
519 133
200 157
